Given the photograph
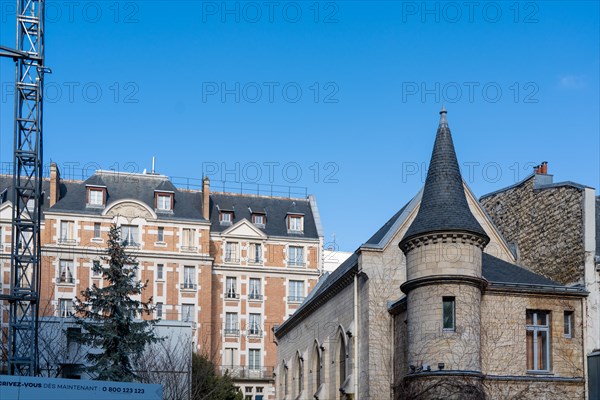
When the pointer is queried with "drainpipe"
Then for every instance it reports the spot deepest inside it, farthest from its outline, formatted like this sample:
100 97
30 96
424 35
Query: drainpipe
356 336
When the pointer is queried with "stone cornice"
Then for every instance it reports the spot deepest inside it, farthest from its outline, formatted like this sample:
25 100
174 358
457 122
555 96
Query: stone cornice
474 239
480 283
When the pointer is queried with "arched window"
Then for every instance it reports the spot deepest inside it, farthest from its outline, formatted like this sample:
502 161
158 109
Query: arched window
341 361
284 378
299 373
316 368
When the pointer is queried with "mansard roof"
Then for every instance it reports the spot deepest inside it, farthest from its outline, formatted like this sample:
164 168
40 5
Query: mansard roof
443 205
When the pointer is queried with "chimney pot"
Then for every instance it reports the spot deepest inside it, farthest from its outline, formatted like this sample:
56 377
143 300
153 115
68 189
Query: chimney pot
54 184
544 167
206 198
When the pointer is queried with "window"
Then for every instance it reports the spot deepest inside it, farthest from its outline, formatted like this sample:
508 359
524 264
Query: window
231 324
188 237
189 277
187 313
568 324
259 219
449 313
226 217
254 359
159 307
97 234
295 223
296 291
538 340
164 201
255 255
230 357
160 237
96 268
248 389
160 272
65 273
295 256
316 368
300 372
66 232
254 293
130 235
254 325
231 252
65 307
231 288
95 197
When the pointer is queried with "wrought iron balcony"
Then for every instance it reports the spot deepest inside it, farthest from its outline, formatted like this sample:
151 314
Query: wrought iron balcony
65 280
295 299
232 296
188 286
255 297
247 372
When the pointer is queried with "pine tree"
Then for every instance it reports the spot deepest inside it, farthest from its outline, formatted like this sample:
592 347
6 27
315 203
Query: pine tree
108 316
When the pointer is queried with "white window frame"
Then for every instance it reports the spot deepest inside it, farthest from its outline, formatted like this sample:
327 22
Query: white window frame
95 197
254 289
67 232
130 234
65 271
226 217
188 312
231 324
159 309
255 255
164 201
254 324
160 272
65 308
259 219
232 252
188 239
296 291
160 234
296 256
295 223
189 277
537 331
254 359
568 324
97 230
231 291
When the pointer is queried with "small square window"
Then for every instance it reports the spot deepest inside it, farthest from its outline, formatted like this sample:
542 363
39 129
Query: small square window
568 324
95 196
259 219
226 217
164 201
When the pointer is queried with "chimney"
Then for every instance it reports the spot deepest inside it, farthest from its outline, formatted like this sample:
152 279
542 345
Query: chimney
54 184
206 198
544 168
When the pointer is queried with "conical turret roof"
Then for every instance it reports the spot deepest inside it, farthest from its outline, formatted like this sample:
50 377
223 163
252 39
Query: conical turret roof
444 205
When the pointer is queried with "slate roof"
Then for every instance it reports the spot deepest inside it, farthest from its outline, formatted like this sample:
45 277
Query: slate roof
376 238
187 204
6 183
275 208
444 204
496 270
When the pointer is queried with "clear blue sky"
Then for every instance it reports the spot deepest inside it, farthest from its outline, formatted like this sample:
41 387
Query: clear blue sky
199 85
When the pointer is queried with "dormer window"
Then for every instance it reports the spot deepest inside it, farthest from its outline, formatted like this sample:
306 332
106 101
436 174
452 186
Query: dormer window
96 196
163 201
226 217
259 219
295 223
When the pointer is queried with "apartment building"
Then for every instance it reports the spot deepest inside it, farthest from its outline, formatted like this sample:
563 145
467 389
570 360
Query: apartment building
234 266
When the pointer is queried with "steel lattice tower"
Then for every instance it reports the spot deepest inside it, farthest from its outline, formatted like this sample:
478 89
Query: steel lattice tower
27 188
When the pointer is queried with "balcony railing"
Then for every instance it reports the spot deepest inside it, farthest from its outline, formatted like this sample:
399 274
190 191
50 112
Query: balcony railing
232 259
255 261
232 296
188 286
247 372
295 299
296 263
189 248
65 279
255 297
254 332
231 332
64 240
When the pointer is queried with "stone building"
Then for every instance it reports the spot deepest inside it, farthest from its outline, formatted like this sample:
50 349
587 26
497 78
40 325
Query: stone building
435 305
231 265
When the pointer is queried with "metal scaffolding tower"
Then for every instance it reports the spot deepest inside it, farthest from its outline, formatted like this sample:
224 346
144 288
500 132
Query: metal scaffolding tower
27 188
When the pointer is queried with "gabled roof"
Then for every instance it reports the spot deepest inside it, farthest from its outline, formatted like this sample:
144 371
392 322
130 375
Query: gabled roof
276 209
444 204
6 183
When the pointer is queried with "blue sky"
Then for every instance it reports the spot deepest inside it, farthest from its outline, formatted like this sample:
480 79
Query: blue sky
339 97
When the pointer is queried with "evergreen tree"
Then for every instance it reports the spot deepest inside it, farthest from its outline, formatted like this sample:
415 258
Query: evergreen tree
207 385
107 316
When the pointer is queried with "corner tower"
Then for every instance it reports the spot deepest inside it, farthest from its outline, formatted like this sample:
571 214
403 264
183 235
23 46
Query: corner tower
443 248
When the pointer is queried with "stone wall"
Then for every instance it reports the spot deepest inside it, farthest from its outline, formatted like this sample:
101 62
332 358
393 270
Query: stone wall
546 225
